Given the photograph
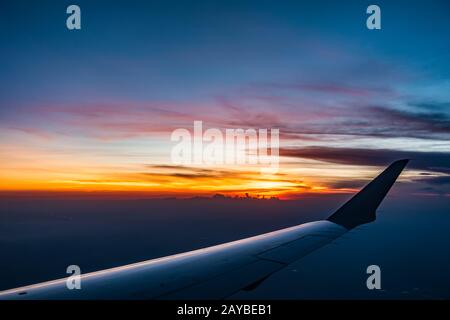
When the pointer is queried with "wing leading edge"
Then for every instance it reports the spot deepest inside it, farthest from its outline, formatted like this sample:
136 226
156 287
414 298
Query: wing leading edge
220 271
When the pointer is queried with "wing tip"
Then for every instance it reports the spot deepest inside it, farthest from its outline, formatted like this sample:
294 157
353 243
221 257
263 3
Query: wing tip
361 208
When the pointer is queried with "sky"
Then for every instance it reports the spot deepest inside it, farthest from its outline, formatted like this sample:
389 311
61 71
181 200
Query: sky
92 110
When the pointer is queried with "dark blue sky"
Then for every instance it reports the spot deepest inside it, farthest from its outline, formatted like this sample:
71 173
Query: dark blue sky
144 50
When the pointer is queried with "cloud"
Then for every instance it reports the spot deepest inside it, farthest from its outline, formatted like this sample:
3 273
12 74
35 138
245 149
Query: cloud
327 88
36 132
191 173
438 184
431 105
300 115
416 123
438 181
427 161
381 121
187 170
123 119
347 184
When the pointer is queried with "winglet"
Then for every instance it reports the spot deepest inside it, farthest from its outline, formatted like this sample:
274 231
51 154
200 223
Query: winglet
362 207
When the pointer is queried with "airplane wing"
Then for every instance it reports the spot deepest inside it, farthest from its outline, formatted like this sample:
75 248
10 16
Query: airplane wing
220 271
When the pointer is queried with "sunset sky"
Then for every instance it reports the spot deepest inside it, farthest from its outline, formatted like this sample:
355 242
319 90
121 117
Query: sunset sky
93 110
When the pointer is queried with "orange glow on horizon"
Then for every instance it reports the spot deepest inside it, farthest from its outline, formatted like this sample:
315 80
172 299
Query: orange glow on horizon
38 170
